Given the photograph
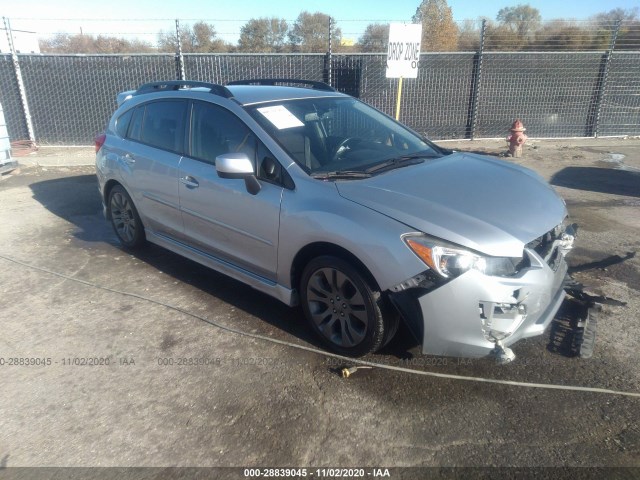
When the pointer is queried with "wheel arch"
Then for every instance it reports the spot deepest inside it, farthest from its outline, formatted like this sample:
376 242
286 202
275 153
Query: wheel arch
108 186
317 249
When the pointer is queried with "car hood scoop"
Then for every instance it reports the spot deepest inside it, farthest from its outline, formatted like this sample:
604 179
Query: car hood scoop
479 202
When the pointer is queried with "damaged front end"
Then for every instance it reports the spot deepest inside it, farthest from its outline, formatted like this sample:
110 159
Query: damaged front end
471 305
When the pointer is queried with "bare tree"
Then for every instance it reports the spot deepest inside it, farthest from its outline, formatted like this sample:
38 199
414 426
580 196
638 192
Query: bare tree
439 31
374 38
469 36
562 34
502 37
199 38
629 29
521 19
67 43
616 15
263 35
310 33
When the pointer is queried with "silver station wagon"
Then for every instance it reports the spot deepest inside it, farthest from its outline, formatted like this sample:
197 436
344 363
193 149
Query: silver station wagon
318 199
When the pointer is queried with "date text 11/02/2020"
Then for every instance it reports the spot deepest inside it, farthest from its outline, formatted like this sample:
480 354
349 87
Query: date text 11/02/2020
317 472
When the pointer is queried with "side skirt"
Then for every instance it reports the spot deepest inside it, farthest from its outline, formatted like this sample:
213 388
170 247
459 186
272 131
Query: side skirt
285 295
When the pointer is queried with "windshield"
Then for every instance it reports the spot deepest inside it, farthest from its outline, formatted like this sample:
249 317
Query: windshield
338 134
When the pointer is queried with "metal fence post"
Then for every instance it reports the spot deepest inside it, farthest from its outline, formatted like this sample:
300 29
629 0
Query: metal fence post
179 58
330 48
604 74
21 90
475 84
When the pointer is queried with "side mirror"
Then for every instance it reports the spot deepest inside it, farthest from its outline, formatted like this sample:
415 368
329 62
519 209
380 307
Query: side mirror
234 165
238 165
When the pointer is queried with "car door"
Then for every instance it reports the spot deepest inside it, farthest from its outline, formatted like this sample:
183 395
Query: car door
156 140
221 218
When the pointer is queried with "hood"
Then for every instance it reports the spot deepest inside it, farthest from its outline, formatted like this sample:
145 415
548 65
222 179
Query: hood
482 203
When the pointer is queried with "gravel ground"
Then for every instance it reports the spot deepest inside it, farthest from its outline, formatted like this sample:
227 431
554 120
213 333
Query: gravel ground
256 403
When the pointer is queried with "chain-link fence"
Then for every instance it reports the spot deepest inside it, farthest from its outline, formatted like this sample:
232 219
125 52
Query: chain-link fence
456 95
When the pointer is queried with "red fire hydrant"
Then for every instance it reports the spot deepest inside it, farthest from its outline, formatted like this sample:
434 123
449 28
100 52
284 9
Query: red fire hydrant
516 139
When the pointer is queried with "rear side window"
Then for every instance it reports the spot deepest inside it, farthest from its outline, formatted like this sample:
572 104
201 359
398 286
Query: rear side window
122 124
215 131
136 123
163 125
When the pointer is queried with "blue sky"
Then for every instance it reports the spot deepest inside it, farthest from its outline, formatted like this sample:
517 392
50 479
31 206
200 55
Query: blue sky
137 17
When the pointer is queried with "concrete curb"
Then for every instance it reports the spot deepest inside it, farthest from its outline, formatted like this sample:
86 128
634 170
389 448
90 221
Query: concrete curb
59 157
55 162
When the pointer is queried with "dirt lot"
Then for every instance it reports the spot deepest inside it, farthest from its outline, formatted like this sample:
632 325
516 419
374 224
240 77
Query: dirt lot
69 293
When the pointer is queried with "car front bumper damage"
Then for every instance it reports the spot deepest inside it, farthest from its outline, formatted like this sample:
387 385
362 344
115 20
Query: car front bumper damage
475 315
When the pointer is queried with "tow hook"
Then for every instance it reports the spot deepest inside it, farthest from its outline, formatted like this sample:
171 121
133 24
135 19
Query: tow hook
502 354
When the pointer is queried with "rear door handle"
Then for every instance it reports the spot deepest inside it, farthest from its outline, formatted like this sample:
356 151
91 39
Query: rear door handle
129 159
189 181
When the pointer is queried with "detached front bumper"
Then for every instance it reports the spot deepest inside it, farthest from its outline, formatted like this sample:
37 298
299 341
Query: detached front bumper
474 313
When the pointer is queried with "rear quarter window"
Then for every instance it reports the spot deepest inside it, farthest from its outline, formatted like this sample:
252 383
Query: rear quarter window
136 123
122 123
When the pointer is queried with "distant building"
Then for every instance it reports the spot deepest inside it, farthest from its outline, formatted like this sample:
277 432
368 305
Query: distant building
23 41
347 42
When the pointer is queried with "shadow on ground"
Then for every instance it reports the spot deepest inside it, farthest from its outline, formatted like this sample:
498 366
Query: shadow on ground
76 200
601 180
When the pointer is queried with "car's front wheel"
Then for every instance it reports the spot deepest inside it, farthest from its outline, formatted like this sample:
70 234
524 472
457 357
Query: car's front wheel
125 219
344 308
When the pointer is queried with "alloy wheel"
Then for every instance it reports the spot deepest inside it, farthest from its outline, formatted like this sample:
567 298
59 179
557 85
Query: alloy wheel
337 307
123 217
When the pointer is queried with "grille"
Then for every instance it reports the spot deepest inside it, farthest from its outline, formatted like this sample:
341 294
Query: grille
545 247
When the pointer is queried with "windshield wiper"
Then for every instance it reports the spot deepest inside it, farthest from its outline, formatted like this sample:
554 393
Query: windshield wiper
403 161
340 174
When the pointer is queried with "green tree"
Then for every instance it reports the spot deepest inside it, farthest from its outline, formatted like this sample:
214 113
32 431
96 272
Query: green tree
374 38
263 35
439 31
523 20
310 33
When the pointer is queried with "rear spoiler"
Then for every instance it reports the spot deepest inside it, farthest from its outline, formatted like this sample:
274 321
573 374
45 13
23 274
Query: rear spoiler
124 96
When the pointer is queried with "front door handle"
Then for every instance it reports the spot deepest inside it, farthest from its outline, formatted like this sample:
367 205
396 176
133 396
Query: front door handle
189 181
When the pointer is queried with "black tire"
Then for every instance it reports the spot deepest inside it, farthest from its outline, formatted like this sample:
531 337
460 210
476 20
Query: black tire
392 319
125 219
344 308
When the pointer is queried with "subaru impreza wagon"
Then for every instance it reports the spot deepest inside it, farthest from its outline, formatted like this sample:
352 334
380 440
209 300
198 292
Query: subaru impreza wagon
320 200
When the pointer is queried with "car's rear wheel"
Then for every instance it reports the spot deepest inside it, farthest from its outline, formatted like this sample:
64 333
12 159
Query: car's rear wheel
125 219
344 307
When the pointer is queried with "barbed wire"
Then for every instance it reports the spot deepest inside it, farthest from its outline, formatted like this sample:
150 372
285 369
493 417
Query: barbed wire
147 34
565 77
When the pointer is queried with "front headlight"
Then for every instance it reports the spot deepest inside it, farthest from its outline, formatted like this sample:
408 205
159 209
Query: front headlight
450 260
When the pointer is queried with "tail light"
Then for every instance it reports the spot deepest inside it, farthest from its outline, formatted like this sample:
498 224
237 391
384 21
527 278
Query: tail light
100 139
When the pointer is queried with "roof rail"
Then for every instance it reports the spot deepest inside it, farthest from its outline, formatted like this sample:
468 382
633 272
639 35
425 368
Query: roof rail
272 81
181 84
